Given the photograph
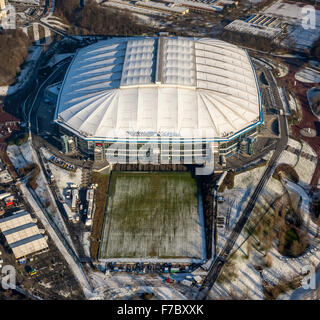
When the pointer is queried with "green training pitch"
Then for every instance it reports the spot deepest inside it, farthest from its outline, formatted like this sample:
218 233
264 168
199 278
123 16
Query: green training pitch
152 215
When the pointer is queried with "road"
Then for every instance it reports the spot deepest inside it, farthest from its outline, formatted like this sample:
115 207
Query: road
218 264
37 96
31 109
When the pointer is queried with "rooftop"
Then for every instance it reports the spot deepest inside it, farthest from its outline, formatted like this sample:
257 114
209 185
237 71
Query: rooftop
190 87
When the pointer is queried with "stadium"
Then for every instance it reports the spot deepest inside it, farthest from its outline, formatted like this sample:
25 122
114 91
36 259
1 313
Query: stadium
183 96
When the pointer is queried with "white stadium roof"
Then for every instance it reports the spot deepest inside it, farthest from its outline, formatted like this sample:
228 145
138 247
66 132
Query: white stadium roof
166 86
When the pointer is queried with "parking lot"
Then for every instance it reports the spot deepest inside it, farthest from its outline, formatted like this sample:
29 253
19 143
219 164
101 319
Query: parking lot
61 163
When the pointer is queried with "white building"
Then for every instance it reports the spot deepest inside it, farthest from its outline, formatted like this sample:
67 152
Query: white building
184 93
22 234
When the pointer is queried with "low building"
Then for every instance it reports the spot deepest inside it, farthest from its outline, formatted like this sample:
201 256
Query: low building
22 234
30 2
163 7
29 245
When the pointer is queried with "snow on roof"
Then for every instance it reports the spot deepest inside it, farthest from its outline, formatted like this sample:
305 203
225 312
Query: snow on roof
208 6
28 245
15 220
162 6
22 234
32 2
256 30
189 87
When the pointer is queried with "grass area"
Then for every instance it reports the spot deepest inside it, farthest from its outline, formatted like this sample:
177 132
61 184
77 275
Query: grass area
101 196
152 215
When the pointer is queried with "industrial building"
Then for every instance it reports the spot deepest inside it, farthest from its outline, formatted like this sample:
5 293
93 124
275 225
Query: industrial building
186 96
153 6
22 234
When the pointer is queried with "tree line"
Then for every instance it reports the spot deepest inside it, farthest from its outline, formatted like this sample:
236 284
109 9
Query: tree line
13 51
94 19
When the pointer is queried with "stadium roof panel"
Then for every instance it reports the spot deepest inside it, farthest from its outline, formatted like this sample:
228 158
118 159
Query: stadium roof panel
190 87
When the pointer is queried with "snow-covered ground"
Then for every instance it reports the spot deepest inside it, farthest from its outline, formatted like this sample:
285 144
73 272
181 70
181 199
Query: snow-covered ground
294 143
308 75
20 157
288 158
293 13
307 149
126 285
36 35
304 167
86 242
299 37
248 282
235 201
293 103
16 157
47 34
55 23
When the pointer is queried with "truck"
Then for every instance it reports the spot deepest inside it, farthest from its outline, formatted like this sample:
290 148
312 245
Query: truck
75 198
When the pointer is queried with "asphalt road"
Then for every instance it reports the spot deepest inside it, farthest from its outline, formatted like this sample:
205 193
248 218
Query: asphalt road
36 96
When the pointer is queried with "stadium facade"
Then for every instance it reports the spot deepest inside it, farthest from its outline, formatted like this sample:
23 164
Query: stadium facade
183 96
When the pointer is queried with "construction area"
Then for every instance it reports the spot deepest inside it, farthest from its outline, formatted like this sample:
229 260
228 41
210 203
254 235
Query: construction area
153 217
